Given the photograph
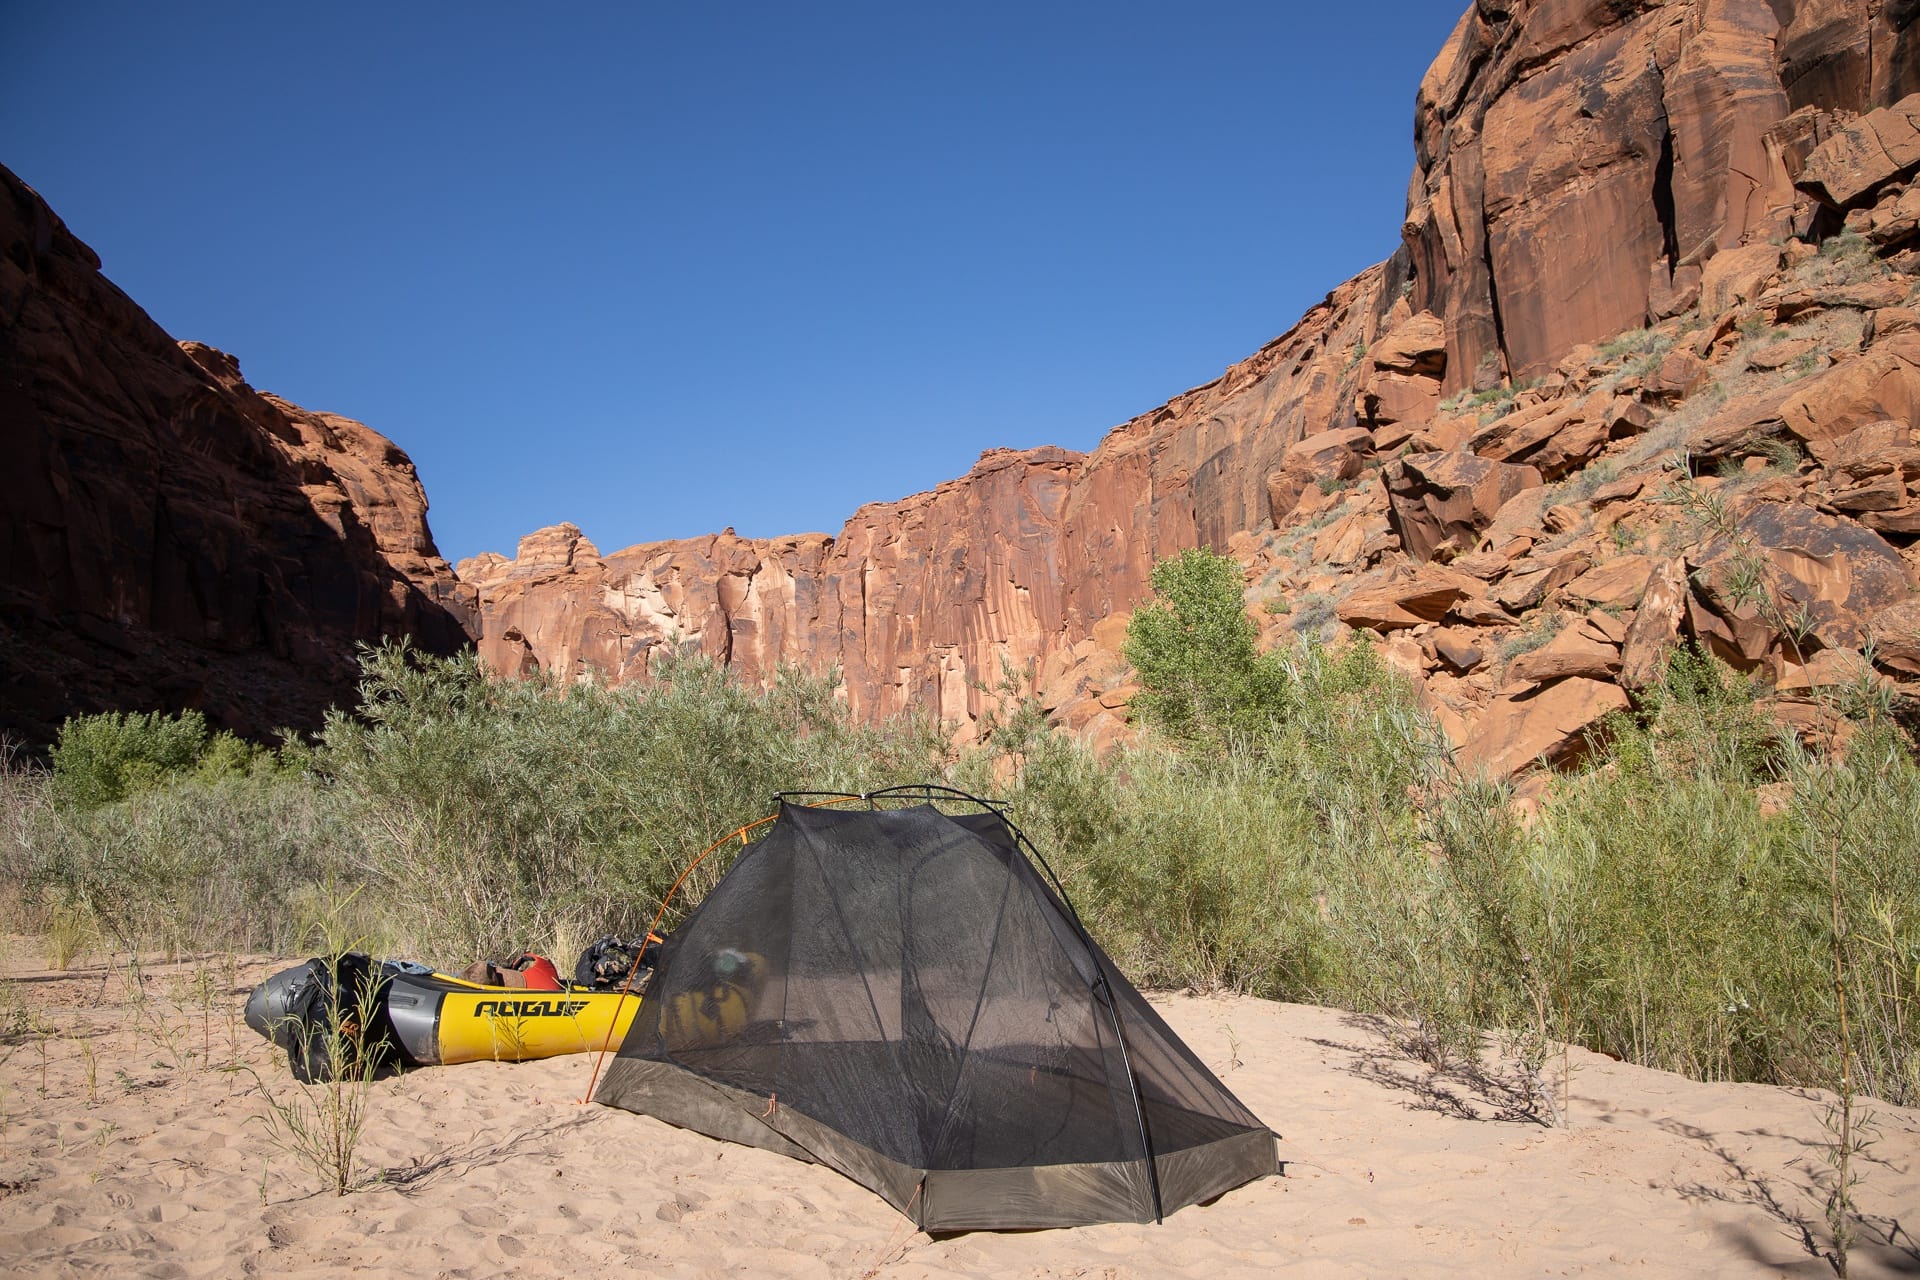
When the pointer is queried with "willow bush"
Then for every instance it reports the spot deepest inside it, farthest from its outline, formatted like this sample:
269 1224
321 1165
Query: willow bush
1703 896
1671 903
460 815
500 812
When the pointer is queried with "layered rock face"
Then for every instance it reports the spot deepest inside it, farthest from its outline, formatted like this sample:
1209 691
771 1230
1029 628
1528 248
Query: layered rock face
1608 283
1579 164
1583 169
1026 566
172 538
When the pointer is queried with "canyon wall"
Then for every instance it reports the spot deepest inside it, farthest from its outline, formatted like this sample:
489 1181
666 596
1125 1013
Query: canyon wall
1580 165
1610 268
931 601
171 538
1578 162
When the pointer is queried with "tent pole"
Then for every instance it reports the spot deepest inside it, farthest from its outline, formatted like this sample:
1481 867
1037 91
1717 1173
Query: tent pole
1104 990
1126 1062
1113 1012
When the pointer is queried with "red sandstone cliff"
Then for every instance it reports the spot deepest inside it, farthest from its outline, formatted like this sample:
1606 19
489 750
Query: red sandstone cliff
169 537
927 602
1579 161
1581 165
1584 168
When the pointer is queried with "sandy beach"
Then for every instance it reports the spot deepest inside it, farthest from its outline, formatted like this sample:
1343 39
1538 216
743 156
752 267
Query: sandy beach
133 1142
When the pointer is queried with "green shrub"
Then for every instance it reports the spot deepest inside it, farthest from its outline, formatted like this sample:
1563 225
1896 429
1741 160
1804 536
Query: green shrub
507 812
483 815
1203 679
1656 909
104 758
1684 901
186 864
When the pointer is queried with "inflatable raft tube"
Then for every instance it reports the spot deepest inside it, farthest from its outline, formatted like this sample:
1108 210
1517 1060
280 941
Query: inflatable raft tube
438 1018
435 1018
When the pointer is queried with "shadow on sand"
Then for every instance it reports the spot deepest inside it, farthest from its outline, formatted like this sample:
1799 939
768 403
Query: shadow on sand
480 1153
1463 1090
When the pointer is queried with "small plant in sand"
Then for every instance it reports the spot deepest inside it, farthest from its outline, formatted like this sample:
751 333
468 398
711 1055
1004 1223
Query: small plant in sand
100 1152
151 1025
509 1034
321 1124
1836 850
68 932
92 1066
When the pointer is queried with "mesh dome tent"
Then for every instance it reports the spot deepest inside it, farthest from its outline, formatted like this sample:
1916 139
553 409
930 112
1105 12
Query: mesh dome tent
899 995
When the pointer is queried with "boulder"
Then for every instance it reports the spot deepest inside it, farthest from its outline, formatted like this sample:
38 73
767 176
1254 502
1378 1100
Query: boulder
1825 669
1342 542
1446 434
1563 517
1625 418
1620 582
1417 345
1530 724
1520 592
1778 355
1669 295
1792 305
1553 437
1878 494
1571 448
1655 629
1820 575
1895 631
1484 565
1902 522
1405 655
1871 151
1441 500
1604 627
1737 275
1889 322
1678 373
1425 595
1884 383
1887 448
1478 611
1512 436
1330 455
1457 649
1624 489
1894 219
1739 428
1389 398
1571 653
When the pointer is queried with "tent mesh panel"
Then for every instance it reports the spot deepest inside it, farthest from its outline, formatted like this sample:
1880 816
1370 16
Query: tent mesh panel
908 979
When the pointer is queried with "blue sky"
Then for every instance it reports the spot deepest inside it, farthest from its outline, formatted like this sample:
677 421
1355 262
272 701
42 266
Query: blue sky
661 269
